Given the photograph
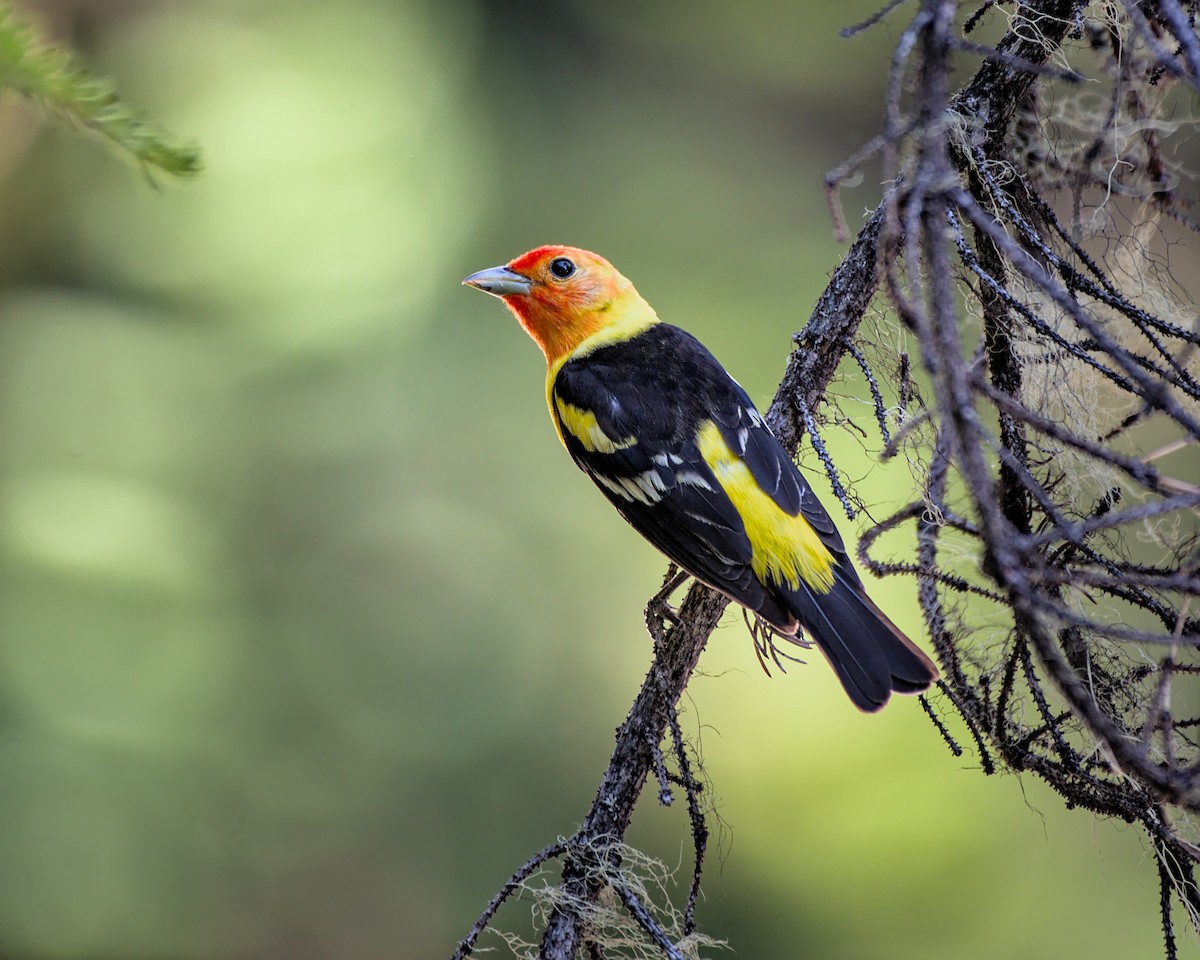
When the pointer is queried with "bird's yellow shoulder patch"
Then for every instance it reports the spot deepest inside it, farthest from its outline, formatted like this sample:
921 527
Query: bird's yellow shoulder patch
583 426
785 549
627 320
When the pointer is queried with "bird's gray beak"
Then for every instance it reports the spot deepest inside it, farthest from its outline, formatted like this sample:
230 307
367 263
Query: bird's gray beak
499 282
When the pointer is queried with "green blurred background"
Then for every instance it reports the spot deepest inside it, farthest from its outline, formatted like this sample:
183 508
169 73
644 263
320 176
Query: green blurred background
309 631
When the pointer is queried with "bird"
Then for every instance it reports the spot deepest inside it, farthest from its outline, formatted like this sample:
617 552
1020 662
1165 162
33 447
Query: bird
678 447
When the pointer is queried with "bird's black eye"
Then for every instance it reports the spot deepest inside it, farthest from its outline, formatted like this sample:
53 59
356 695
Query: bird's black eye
561 267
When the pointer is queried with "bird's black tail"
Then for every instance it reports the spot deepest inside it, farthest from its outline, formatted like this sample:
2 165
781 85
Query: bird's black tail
869 653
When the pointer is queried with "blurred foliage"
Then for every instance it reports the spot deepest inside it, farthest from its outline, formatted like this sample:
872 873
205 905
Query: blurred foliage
309 632
48 77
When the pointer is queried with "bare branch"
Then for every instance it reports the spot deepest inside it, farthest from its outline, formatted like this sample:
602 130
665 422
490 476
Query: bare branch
1023 245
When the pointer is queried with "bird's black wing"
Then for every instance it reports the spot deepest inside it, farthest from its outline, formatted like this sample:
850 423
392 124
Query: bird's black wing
629 413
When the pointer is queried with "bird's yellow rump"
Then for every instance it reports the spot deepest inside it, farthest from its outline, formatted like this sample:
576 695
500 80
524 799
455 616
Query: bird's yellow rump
784 549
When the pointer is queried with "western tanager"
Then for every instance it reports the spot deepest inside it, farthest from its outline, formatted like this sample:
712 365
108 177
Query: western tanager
677 446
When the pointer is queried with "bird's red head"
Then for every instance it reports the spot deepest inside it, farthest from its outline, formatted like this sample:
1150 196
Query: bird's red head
561 295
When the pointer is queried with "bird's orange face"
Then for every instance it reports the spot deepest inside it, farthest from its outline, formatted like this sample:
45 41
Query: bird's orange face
561 295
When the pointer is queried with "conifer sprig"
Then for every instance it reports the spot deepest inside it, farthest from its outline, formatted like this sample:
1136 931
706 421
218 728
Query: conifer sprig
49 77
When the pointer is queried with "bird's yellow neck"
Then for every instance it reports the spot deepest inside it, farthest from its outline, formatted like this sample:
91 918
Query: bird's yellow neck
560 321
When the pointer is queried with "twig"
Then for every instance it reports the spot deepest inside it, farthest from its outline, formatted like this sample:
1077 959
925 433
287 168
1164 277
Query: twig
527 869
